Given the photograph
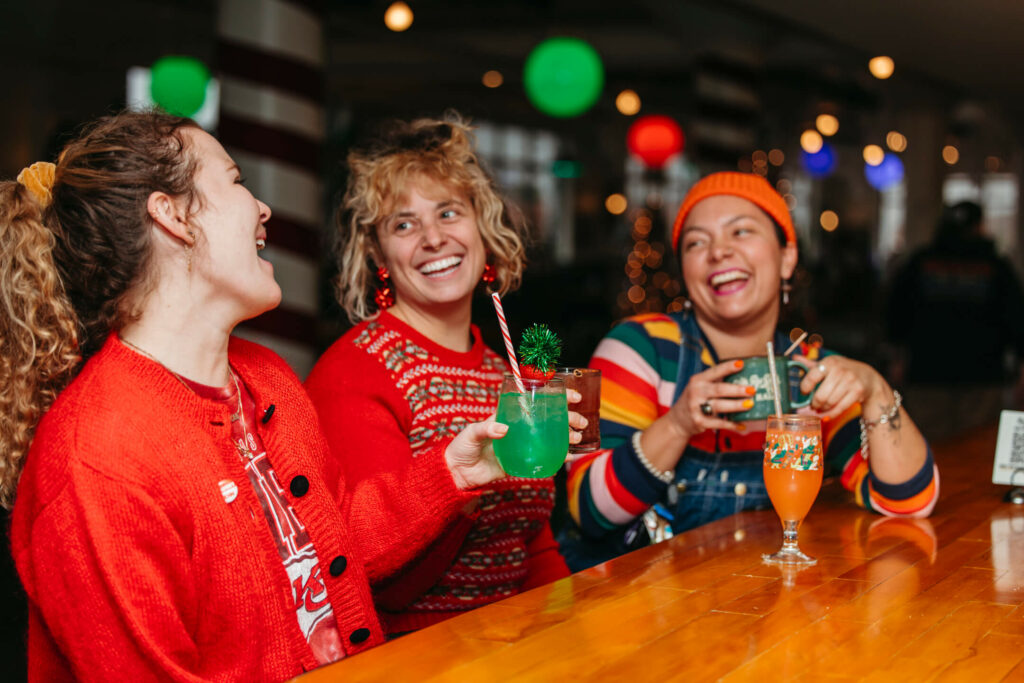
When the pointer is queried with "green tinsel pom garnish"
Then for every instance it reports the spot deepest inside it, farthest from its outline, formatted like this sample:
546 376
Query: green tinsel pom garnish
540 347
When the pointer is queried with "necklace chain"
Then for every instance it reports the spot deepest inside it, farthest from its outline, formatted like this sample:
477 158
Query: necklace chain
235 417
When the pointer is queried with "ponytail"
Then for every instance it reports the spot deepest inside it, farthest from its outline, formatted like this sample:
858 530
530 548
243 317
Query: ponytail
38 338
75 251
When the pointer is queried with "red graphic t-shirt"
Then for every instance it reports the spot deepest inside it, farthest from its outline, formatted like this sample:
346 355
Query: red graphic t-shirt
312 606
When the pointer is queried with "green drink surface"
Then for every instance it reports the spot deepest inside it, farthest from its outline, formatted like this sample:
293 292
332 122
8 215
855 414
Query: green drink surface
537 440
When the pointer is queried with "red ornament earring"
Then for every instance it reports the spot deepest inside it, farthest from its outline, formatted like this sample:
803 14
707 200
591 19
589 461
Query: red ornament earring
490 274
384 297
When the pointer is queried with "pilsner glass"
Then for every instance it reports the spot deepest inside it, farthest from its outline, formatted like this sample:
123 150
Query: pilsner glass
793 467
538 427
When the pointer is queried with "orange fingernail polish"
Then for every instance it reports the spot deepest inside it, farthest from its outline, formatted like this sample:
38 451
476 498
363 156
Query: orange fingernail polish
825 418
738 365
748 404
751 391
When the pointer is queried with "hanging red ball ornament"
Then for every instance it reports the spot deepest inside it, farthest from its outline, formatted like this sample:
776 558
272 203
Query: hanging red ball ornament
655 139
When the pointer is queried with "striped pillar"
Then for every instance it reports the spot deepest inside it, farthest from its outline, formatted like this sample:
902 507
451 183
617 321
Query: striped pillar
271 57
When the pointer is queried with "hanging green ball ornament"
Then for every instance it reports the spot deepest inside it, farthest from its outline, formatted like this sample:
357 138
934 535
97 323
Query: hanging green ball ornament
563 77
178 84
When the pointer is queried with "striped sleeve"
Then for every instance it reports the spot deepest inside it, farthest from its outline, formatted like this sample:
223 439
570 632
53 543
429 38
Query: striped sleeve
915 497
637 359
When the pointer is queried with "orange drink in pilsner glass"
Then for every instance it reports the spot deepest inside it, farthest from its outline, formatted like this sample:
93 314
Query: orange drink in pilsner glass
793 467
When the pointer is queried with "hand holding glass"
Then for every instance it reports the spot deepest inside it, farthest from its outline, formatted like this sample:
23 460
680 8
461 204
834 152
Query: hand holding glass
538 427
793 467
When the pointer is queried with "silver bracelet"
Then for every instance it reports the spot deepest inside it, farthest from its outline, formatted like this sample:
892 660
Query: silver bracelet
665 477
885 418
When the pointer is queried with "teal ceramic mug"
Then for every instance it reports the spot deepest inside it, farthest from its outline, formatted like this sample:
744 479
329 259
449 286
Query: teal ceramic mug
756 373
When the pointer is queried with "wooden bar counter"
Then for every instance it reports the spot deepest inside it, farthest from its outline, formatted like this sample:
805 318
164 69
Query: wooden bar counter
889 600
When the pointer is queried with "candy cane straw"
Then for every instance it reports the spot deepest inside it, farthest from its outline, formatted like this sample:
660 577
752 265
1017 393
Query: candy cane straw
508 342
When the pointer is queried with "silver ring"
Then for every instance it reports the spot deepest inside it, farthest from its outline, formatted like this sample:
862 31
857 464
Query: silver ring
822 368
705 408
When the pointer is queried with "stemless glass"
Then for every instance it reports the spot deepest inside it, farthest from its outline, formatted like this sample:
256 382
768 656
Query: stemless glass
793 467
538 427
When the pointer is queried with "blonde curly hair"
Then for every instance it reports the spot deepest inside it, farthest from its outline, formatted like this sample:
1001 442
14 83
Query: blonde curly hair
379 172
73 269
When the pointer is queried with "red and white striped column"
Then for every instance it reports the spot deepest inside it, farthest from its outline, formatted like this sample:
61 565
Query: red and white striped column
271 59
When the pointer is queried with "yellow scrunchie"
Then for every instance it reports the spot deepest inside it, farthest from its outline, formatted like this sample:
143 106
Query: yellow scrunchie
38 179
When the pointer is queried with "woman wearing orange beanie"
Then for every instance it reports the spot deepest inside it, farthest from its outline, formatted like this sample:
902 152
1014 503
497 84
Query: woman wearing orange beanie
664 436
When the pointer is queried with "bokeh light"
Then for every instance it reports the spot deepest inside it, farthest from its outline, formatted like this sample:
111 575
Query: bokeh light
493 79
829 220
627 102
616 204
563 76
776 157
655 139
827 124
886 174
398 16
881 67
178 84
821 163
896 141
950 154
811 142
993 164
873 155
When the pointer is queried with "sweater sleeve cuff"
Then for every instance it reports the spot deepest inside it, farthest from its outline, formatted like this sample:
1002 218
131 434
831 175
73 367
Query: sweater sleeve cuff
634 477
910 488
433 485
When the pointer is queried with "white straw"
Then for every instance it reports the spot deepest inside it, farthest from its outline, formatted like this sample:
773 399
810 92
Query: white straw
795 344
775 379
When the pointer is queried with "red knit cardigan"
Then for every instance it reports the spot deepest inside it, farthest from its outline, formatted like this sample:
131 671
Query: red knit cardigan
136 567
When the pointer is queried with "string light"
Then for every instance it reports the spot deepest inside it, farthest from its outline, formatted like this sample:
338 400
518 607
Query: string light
873 155
811 142
398 16
829 220
627 102
896 141
493 79
827 124
881 67
616 204
776 157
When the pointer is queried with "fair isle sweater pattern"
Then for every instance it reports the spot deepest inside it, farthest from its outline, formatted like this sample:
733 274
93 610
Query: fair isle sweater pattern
492 562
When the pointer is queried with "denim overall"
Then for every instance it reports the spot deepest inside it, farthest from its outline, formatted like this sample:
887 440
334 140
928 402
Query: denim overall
707 486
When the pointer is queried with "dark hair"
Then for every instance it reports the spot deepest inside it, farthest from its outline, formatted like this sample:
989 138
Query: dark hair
76 268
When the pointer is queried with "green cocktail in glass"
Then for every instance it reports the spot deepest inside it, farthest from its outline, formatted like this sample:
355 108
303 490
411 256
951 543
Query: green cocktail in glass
538 427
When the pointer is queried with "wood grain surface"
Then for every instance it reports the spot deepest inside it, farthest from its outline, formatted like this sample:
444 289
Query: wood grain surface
889 600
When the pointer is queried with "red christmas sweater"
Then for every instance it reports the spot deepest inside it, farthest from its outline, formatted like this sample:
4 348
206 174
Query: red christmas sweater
388 396
145 553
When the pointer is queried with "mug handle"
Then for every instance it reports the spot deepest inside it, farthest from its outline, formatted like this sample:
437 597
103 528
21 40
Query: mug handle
796 371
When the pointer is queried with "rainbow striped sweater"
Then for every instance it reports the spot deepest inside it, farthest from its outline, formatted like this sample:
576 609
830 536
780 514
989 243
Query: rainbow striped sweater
639 362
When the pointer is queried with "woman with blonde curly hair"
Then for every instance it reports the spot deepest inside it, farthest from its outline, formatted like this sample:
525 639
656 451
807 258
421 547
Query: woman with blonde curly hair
178 516
423 221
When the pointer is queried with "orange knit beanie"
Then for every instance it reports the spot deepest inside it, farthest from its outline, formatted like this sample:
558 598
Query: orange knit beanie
746 185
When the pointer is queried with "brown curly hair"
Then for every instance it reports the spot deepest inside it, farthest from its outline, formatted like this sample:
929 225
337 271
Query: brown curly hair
440 149
74 270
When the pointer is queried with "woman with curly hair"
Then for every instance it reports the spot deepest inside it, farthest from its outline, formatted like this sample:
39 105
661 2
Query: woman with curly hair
177 516
422 218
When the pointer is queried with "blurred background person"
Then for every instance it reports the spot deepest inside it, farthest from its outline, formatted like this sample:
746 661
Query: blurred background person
423 223
956 317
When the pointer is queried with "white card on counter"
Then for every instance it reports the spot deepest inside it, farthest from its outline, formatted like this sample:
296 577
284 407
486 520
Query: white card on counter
1009 449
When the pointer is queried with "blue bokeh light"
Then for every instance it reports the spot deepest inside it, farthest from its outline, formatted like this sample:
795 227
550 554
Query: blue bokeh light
886 174
820 164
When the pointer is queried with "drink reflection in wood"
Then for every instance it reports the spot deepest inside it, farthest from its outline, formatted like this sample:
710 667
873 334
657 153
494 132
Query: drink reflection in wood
792 476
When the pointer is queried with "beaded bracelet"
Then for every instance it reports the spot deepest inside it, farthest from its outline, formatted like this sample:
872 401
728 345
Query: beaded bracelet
665 477
885 418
